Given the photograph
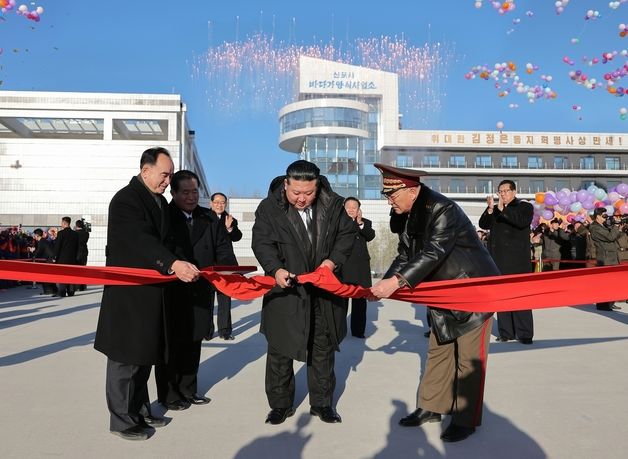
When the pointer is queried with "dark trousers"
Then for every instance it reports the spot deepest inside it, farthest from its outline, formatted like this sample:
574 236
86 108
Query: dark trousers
127 394
65 289
516 324
321 379
177 379
224 313
358 316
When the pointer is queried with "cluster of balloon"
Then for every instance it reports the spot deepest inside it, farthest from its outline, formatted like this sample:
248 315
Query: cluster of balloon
623 113
575 205
592 14
611 78
615 5
506 79
501 7
560 6
22 10
623 30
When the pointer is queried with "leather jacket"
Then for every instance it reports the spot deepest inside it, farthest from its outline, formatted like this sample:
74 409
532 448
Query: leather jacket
440 243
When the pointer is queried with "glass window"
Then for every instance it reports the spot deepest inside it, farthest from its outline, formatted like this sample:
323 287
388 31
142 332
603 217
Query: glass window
404 160
457 161
560 162
509 161
560 184
456 185
612 162
586 162
537 185
432 183
431 161
483 161
535 162
485 186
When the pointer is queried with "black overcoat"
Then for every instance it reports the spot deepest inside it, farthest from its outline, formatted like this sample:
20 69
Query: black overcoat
357 269
131 321
66 246
82 252
280 241
189 306
509 239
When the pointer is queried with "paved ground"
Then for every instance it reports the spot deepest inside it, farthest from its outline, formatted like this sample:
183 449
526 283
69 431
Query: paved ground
563 397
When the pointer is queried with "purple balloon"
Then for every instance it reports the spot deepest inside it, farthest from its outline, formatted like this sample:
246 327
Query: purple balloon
550 199
582 195
547 214
573 197
622 189
564 201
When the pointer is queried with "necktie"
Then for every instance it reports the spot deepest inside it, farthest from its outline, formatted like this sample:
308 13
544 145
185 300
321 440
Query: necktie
188 221
308 222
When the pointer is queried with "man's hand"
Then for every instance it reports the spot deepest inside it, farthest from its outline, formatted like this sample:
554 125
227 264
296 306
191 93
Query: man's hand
490 202
328 264
385 287
228 222
358 218
185 271
500 204
283 278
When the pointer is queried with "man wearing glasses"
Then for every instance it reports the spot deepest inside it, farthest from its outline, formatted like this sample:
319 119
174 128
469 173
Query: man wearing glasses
438 242
509 244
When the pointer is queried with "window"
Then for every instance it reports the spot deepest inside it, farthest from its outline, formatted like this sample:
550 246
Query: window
586 162
431 161
456 185
483 161
485 186
537 185
404 160
509 161
432 183
612 162
560 184
535 162
457 161
560 162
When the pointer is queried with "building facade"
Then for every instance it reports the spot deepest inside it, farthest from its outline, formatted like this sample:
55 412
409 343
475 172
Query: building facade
65 153
346 118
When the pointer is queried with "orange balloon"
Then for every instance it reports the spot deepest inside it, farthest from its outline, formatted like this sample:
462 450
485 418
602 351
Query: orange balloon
539 198
619 203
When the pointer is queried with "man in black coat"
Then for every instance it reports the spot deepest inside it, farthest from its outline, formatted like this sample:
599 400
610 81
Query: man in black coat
197 238
65 250
219 213
357 269
44 253
130 329
82 252
439 242
299 227
509 244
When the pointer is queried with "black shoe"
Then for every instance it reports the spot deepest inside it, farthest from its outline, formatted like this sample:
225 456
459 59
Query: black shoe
427 334
455 433
525 340
279 415
153 421
419 417
326 413
614 306
227 337
197 399
602 308
177 405
132 433
501 339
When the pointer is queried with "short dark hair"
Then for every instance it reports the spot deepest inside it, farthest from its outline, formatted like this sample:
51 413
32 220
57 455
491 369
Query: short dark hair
600 211
150 156
351 198
67 220
180 176
80 224
39 232
218 193
303 171
510 183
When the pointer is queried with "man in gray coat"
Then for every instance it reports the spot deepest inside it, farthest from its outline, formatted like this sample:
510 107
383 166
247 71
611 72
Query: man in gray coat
439 242
299 227
605 236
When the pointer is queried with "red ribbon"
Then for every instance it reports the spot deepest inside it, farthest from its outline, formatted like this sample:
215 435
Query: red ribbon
484 294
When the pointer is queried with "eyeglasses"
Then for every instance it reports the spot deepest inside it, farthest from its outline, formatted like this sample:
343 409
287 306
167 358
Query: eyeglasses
392 197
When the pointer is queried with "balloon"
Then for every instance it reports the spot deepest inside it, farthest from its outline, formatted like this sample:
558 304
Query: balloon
613 196
547 214
539 197
623 209
550 199
599 204
582 195
600 194
564 202
575 207
592 189
622 189
573 196
618 204
500 125
610 210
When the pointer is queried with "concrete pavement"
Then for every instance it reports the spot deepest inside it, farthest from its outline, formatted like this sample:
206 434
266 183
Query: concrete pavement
563 397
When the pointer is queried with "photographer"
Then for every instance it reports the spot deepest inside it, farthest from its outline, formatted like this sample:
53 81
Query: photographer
605 232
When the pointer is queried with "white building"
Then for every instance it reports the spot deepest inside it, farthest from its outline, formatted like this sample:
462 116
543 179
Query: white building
65 153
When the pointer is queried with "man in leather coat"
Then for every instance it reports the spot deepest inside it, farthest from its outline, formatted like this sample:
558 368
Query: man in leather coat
439 242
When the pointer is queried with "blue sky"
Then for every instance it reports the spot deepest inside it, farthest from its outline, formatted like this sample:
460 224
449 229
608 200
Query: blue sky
150 46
